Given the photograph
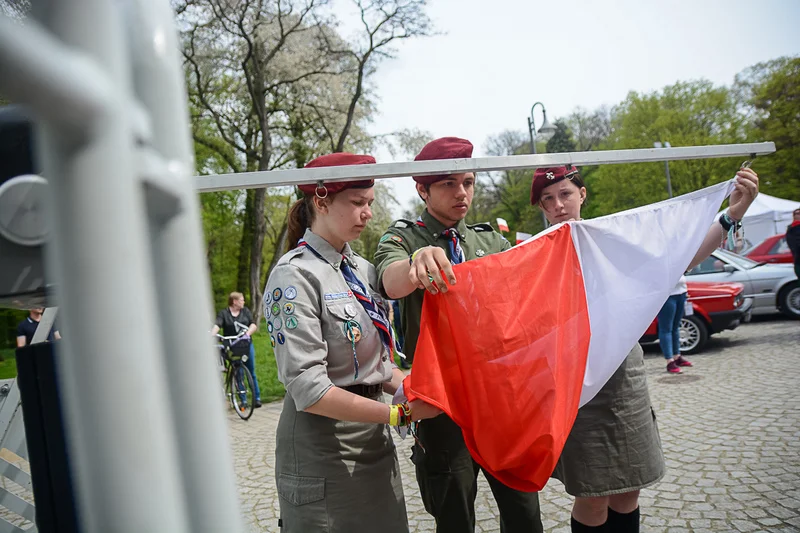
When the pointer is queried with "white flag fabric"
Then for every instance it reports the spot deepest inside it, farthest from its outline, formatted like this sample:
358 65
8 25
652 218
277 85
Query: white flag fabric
630 263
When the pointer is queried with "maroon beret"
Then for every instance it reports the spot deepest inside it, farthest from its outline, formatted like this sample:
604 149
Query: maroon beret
544 177
444 148
338 160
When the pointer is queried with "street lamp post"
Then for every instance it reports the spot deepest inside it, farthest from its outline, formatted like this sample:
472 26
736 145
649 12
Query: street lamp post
546 131
658 144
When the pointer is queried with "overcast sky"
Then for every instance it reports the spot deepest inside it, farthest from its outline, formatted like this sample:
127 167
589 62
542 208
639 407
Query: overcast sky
495 58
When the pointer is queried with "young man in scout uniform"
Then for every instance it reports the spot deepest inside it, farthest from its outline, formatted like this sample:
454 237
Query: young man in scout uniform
409 260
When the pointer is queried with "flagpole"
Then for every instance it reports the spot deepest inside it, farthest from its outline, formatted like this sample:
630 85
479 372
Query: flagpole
278 178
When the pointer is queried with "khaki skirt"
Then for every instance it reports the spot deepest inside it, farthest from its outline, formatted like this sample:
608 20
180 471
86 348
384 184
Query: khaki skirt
337 477
614 446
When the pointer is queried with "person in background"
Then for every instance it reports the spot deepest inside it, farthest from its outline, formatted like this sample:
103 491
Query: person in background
27 328
669 327
236 319
793 240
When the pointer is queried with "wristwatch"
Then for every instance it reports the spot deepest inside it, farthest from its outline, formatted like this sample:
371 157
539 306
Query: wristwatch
727 223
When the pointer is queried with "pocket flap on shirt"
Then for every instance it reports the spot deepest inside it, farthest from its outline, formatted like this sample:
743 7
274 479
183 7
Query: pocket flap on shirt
338 309
301 490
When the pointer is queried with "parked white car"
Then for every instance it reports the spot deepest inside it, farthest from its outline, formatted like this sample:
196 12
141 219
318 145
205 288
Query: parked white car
773 287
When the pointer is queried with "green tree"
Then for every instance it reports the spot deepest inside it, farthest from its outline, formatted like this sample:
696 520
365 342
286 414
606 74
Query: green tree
509 191
562 140
685 114
772 90
385 202
590 131
280 85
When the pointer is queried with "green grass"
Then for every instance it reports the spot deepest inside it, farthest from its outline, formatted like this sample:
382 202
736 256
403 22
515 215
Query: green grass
8 366
266 369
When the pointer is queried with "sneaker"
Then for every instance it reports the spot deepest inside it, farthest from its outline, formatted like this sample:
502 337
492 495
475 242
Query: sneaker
673 368
680 361
257 404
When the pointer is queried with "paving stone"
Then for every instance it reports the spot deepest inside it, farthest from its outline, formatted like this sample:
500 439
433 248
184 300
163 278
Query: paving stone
729 469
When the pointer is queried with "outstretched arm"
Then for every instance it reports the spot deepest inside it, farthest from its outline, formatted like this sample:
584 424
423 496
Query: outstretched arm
743 194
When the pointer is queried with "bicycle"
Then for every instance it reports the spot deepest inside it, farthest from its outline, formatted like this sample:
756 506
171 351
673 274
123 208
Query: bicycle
238 382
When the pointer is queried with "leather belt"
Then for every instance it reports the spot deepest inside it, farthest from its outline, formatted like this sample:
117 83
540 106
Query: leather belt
367 391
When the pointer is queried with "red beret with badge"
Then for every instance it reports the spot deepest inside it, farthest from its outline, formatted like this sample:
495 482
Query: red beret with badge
544 177
338 160
444 148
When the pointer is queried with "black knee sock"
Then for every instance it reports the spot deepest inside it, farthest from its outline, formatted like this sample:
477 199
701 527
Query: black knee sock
577 527
623 523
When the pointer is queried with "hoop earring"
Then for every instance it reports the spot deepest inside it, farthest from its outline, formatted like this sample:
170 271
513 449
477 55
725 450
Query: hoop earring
321 185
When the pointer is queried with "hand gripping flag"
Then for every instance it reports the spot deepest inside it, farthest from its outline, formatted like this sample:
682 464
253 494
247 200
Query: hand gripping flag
529 335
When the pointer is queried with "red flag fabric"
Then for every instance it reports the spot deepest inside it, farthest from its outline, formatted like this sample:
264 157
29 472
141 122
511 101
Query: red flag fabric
501 378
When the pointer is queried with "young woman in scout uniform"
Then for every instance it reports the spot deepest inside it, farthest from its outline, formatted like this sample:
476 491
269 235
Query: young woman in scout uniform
336 466
614 449
410 257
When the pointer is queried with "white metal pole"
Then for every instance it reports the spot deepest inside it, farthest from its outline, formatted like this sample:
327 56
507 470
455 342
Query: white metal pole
120 431
277 178
182 279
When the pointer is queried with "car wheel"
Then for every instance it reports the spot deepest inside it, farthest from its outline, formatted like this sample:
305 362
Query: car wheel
694 334
789 299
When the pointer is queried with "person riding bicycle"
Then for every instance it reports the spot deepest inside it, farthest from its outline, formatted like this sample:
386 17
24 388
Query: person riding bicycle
236 319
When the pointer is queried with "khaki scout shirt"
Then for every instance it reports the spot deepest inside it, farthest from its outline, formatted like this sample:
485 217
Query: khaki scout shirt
404 237
307 303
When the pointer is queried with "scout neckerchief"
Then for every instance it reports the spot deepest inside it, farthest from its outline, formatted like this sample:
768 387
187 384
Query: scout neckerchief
375 313
453 244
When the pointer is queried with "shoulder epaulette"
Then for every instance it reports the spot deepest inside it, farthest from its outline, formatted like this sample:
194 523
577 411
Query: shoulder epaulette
402 223
481 226
295 252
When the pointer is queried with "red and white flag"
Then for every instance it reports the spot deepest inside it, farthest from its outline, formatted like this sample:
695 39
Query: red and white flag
529 335
502 224
522 237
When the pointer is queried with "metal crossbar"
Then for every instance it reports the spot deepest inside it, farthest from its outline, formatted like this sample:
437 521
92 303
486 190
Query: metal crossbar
278 178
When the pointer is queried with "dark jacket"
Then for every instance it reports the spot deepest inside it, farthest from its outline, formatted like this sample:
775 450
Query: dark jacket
793 240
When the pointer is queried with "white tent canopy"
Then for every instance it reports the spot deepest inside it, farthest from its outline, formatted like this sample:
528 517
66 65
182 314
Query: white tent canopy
767 216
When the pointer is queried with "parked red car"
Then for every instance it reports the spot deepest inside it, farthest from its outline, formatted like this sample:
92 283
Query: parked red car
772 250
717 307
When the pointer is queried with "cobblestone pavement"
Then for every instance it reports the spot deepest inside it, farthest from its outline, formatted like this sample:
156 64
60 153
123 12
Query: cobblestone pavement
730 428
